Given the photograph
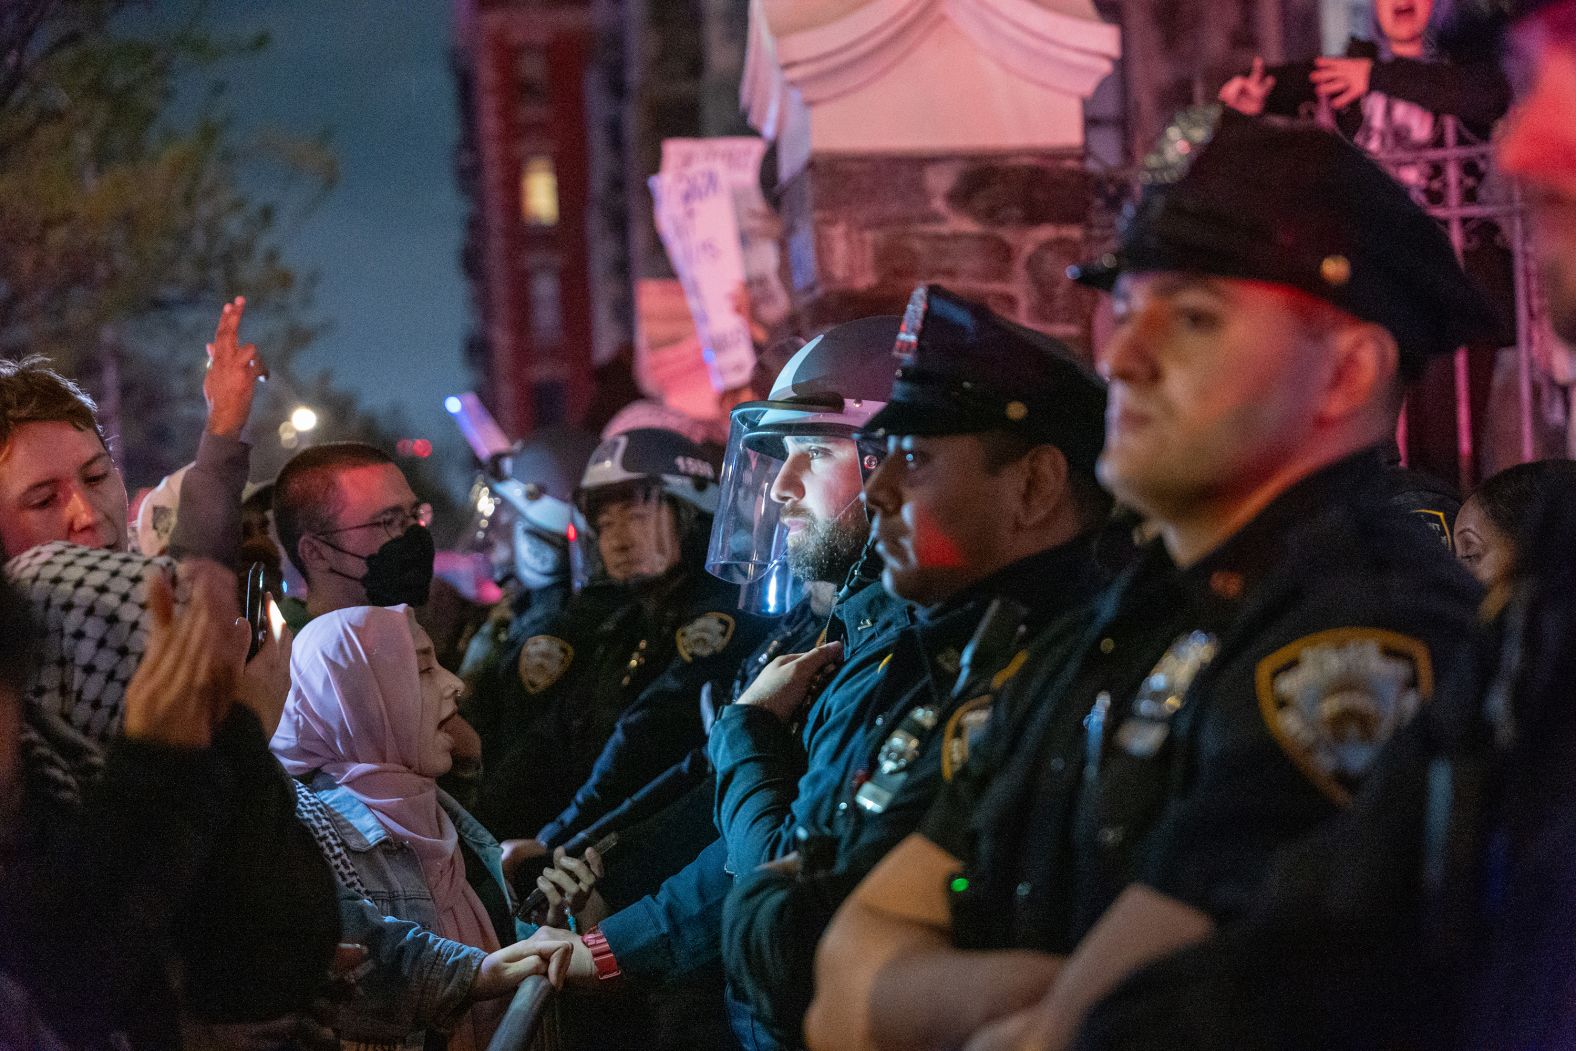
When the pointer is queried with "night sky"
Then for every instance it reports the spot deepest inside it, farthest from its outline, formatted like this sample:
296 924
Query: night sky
386 240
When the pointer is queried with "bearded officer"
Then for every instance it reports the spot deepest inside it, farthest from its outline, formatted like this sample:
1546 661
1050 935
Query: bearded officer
1273 290
987 495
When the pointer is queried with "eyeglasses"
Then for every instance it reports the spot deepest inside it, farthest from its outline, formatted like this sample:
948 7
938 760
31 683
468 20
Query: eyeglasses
393 523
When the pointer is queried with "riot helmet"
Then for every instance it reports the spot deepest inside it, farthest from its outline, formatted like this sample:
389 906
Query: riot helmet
537 487
643 498
790 511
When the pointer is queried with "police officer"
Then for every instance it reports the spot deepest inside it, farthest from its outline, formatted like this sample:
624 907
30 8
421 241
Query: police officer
791 519
647 630
987 495
535 490
790 525
1442 910
1273 289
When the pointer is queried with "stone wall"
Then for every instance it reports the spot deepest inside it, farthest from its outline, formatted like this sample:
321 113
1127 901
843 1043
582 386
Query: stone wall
862 231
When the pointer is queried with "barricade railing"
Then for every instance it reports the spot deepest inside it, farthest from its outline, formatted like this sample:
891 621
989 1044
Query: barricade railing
523 1020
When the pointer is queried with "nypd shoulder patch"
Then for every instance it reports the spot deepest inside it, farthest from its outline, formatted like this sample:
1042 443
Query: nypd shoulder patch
705 636
543 661
1332 699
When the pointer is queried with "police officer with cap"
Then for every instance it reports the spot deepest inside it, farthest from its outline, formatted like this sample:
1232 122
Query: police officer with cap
1273 291
1389 929
985 511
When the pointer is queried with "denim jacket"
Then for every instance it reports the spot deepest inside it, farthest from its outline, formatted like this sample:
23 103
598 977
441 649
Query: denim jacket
418 978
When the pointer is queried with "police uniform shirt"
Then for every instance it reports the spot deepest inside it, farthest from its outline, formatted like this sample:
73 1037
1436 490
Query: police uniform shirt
1205 716
763 767
774 921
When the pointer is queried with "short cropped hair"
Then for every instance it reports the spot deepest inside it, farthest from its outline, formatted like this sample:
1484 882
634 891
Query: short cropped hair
1092 502
306 498
32 392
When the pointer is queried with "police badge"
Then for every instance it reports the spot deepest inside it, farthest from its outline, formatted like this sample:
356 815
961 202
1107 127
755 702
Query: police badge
543 661
1332 699
705 636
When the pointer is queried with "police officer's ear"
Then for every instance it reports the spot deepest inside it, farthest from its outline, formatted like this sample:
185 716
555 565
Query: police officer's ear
1363 379
1046 496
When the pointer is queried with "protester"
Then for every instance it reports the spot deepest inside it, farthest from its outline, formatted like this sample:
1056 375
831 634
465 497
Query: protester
366 727
58 480
1229 694
1499 509
250 918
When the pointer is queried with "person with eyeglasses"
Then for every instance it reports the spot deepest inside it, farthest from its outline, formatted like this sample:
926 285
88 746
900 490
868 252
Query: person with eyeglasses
350 522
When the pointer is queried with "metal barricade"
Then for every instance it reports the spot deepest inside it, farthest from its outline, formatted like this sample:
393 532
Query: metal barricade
523 1020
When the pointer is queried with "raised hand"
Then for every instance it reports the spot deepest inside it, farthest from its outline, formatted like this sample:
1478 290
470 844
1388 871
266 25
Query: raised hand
1247 94
233 371
186 682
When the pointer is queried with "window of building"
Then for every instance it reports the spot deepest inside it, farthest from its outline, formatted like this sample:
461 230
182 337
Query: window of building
539 192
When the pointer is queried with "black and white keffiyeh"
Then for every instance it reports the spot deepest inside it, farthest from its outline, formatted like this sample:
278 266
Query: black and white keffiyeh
91 608
313 813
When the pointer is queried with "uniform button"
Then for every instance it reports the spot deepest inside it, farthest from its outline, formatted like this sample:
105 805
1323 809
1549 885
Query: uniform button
1111 835
841 807
1025 889
880 720
1107 644
1058 764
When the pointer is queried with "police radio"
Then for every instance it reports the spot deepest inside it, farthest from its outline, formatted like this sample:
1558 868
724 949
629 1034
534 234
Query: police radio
989 650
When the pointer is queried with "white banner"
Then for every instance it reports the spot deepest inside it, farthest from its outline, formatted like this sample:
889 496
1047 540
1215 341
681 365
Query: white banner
699 227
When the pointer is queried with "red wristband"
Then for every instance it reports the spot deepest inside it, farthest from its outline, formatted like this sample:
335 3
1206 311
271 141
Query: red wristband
602 957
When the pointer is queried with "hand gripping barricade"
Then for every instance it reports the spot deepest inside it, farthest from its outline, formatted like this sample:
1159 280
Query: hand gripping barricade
829 389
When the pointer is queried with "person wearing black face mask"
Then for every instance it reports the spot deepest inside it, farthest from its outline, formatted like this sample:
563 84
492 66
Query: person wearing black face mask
349 521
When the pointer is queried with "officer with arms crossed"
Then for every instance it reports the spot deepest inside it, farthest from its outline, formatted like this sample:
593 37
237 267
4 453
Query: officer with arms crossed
987 493
1387 929
1272 291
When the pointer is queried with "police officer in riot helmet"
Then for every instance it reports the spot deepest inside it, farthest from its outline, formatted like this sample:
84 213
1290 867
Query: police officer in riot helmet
533 489
789 530
789 524
1230 692
646 611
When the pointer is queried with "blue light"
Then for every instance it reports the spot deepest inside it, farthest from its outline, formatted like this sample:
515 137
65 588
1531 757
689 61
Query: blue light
452 404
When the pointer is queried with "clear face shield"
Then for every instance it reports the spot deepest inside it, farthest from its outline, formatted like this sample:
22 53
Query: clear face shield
630 533
789 512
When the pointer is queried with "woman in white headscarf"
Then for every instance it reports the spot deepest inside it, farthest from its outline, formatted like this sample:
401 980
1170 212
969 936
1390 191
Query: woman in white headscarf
365 728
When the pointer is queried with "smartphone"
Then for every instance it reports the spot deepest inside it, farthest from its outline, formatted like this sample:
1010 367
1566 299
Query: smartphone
255 608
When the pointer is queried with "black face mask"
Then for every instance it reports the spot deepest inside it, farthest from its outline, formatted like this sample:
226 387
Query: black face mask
400 571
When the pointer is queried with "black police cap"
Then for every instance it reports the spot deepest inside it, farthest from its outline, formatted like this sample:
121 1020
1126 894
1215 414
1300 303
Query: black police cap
964 369
1268 199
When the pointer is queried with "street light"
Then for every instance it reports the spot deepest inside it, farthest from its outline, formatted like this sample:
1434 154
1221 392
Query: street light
303 419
